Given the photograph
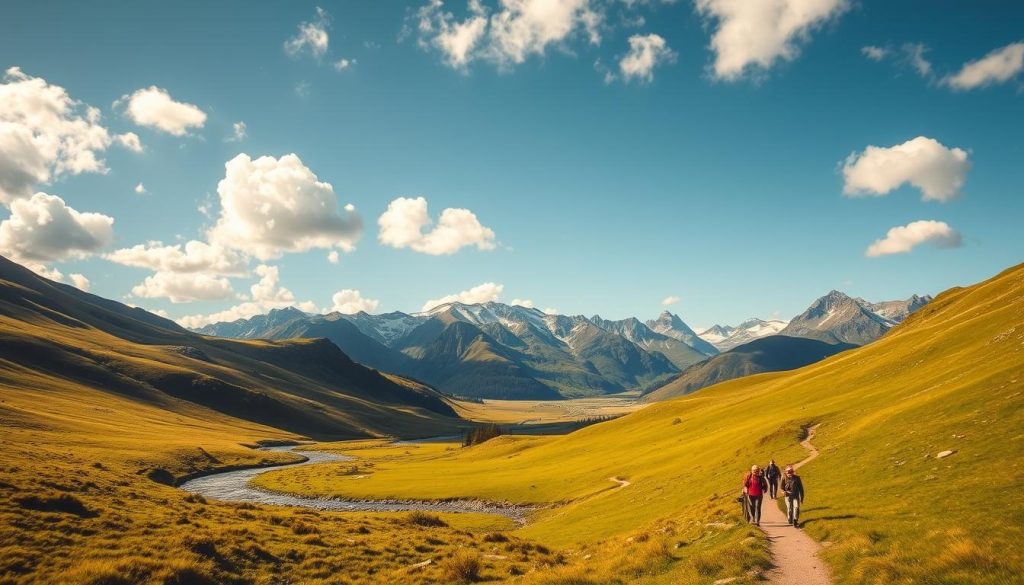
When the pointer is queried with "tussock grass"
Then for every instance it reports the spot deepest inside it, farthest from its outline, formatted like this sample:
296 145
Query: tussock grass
461 567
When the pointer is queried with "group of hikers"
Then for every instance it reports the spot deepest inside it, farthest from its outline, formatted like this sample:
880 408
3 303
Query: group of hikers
768 480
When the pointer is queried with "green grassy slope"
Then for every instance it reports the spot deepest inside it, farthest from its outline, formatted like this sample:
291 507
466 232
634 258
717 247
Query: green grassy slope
950 378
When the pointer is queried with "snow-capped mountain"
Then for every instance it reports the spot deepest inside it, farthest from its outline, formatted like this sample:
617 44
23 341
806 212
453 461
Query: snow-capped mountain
839 318
678 351
386 328
673 326
897 311
725 337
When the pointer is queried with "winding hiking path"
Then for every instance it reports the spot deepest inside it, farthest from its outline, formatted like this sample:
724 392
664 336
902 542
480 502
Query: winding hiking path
233 486
794 553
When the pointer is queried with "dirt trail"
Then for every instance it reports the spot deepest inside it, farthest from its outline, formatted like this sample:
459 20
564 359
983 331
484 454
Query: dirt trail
622 482
794 553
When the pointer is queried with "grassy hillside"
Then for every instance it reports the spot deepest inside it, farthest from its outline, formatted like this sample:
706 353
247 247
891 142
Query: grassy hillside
774 353
949 378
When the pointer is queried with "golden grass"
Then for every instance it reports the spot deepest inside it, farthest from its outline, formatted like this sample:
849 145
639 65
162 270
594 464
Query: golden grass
950 378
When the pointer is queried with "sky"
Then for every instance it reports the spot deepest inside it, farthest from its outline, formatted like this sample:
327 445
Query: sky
721 159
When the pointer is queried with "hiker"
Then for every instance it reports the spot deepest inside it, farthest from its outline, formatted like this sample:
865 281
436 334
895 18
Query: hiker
772 474
754 487
793 488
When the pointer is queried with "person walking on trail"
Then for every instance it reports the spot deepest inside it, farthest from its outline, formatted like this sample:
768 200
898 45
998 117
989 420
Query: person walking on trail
754 486
793 488
773 474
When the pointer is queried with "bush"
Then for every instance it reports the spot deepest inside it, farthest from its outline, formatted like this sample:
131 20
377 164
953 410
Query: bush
419 518
463 567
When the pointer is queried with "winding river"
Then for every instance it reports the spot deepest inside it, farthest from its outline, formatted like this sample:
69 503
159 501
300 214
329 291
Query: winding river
233 486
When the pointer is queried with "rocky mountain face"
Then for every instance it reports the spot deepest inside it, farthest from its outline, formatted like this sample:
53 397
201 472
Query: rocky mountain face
673 326
897 311
839 318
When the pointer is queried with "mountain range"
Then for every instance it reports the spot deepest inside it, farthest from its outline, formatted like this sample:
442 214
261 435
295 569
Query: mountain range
494 350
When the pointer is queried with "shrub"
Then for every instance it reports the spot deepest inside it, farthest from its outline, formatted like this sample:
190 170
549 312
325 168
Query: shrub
481 434
462 567
419 518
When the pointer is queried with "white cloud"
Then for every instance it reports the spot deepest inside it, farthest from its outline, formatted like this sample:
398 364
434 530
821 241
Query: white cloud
333 257
939 172
44 228
50 273
914 53
402 225
44 135
350 302
550 311
184 287
239 132
482 293
274 205
670 300
875 53
343 64
154 108
902 239
312 36
193 256
754 35
514 31
998 66
266 294
81 282
522 303
140 189
645 53
130 140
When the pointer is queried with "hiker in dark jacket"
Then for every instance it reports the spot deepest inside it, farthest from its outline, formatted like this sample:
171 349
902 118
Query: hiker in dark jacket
772 474
793 488
754 486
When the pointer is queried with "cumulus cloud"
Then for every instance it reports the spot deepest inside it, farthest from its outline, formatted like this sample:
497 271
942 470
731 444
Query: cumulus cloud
153 107
44 271
270 206
939 172
645 53
238 132
343 64
130 140
333 257
81 282
875 53
44 229
999 66
193 256
751 36
670 300
184 287
140 189
350 302
902 239
523 303
482 293
312 36
510 33
402 225
265 295
44 135
550 311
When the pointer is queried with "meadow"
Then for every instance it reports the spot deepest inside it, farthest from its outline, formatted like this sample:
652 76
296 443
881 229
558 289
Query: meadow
886 507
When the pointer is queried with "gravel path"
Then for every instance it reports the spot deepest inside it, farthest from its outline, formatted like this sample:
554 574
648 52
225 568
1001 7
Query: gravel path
794 553
233 486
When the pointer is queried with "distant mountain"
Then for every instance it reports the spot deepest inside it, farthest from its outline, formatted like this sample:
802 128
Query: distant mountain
57 337
768 354
678 351
673 326
488 350
724 337
897 311
839 318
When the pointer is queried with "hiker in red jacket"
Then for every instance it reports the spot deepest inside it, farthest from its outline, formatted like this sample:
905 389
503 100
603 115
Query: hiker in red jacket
754 486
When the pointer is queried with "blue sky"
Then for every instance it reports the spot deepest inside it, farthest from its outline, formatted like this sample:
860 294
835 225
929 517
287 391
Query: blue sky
606 192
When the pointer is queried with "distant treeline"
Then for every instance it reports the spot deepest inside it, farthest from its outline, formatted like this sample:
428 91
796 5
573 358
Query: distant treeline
478 435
